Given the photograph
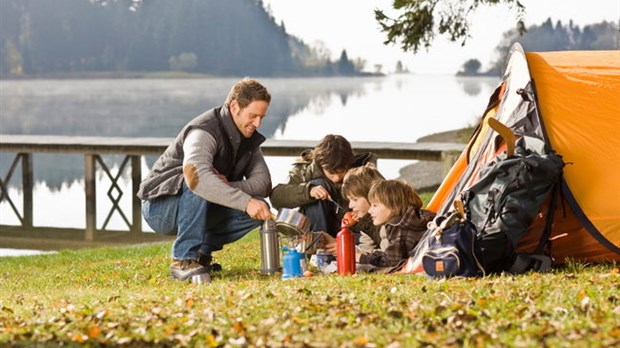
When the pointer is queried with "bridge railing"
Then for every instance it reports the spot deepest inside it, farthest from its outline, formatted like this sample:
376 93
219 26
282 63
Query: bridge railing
93 148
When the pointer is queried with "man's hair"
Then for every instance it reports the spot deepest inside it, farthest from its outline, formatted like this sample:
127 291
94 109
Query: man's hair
395 195
246 91
333 153
358 181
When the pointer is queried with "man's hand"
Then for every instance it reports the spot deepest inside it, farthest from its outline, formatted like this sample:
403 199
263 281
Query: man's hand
258 209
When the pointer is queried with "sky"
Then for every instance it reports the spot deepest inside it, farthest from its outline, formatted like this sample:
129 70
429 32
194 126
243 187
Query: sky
350 25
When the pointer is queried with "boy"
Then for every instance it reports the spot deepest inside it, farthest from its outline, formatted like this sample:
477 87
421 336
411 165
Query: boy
396 207
355 187
314 183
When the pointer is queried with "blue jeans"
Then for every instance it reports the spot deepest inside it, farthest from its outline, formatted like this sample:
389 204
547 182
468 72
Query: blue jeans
323 214
198 224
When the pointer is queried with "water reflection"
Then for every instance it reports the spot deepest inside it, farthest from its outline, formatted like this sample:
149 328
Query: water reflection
395 108
399 108
473 86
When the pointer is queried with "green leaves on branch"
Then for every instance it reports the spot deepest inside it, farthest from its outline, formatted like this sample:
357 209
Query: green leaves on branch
419 21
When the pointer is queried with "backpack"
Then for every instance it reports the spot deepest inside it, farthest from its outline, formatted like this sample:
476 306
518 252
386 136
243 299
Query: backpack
505 200
452 248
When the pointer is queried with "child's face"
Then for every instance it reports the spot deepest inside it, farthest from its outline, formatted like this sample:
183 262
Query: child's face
379 213
359 206
336 176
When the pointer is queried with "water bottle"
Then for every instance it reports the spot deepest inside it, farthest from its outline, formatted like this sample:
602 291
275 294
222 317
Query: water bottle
292 263
269 248
345 251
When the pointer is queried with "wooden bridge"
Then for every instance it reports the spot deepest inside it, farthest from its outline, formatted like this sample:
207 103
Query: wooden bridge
26 235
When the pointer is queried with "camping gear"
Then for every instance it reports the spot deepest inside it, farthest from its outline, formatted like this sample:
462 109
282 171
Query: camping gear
509 193
569 101
292 223
453 247
345 248
338 206
269 248
293 263
323 258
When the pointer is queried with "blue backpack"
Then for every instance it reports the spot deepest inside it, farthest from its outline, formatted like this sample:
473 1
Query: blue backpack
452 249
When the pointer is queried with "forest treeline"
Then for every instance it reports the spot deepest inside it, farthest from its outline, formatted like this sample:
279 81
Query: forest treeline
550 37
214 37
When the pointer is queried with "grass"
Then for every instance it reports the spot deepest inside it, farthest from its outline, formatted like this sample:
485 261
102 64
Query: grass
123 297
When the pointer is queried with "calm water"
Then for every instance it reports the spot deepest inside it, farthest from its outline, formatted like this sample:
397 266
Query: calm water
398 108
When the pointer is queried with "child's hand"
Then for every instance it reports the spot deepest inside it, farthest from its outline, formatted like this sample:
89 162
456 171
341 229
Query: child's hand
348 219
319 192
330 244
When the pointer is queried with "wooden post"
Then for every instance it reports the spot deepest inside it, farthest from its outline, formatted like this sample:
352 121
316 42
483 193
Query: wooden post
27 183
448 158
136 203
90 183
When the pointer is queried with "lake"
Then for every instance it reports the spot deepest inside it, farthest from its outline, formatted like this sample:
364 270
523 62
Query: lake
395 108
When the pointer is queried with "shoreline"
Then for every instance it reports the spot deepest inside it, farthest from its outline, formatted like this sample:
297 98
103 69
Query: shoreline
426 176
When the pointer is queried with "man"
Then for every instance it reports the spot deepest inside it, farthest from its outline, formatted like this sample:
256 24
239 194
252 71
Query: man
208 186
314 183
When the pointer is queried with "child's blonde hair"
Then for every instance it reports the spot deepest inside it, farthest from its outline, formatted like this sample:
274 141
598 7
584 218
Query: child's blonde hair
395 195
358 181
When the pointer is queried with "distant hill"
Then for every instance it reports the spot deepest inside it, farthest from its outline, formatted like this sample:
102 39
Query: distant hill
213 37
549 37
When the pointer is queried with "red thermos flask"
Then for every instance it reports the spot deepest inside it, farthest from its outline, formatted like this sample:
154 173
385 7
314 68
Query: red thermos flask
345 248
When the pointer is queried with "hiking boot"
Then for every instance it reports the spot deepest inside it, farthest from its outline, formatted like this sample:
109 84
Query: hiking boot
207 261
185 269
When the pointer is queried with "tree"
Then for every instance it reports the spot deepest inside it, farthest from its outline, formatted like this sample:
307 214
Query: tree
186 61
419 20
400 68
471 67
547 37
345 66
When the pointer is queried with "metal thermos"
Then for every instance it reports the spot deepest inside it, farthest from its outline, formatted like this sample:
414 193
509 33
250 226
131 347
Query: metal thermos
269 248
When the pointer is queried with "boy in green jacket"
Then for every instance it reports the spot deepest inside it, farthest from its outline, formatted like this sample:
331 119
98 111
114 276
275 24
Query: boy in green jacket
314 183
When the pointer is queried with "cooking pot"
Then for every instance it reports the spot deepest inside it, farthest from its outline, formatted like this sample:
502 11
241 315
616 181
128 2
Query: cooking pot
292 223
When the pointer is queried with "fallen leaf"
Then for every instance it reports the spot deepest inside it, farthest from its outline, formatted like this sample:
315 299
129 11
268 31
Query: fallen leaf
581 295
238 327
211 341
361 341
237 341
101 314
94 331
79 338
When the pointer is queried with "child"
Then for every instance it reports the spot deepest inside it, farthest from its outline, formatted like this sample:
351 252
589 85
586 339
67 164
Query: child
314 183
355 187
396 207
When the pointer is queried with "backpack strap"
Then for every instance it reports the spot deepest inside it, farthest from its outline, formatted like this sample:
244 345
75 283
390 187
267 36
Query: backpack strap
544 239
538 261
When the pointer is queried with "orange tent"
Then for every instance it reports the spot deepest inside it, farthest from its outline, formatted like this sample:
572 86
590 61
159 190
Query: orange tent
571 100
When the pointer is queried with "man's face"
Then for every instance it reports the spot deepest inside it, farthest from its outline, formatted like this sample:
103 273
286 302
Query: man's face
249 118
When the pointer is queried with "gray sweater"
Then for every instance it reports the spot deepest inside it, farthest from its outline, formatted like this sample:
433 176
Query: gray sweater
228 168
